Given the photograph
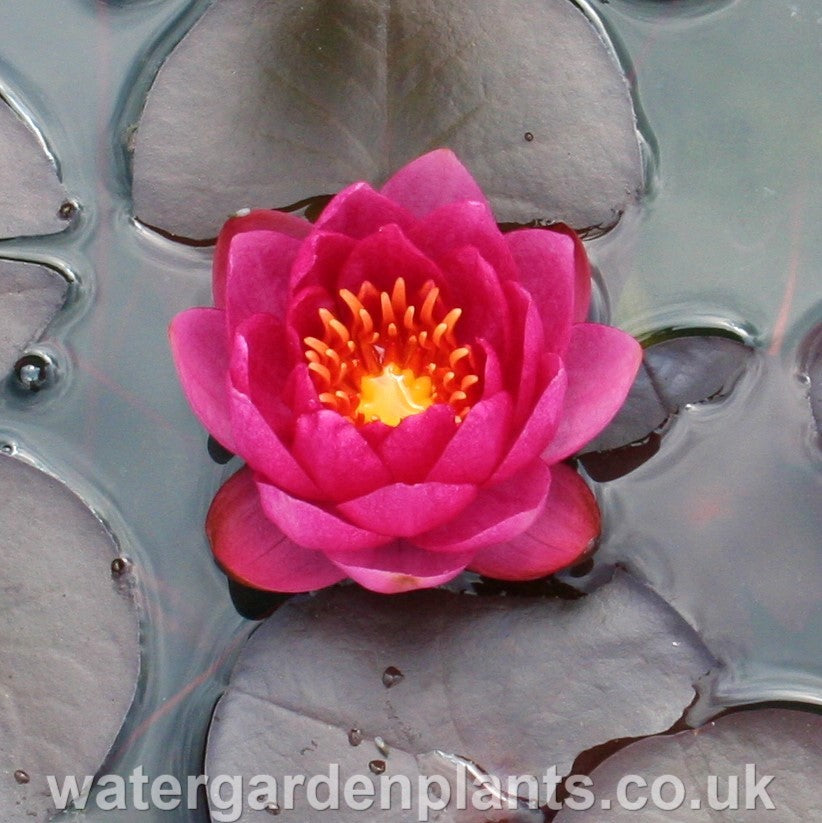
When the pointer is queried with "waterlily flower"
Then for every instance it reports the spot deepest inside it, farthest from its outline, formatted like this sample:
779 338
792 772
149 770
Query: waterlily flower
403 381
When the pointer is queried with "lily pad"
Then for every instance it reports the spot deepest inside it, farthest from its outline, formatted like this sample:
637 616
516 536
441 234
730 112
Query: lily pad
68 642
30 193
30 295
734 754
514 685
263 104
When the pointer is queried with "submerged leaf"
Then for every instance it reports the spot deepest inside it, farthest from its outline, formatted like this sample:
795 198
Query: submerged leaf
263 104
513 685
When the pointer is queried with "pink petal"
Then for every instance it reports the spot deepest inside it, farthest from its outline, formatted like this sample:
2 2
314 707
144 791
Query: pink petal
311 526
476 448
320 260
383 257
358 211
200 351
400 567
303 319
541 425
404 510
472 285
276 222
431 181
566 528
410 449
257 443
258 270
252 550
601 363
466 223
260 367
334 453
547 270
499 513
528 350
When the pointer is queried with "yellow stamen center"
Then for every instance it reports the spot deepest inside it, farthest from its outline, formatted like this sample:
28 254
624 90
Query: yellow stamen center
393 358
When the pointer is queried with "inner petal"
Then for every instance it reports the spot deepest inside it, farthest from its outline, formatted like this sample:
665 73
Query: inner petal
384 356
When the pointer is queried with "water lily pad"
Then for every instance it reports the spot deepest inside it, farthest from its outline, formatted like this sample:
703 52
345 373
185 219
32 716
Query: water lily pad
30 295
263 104
30 193
734 754
514 685
68 641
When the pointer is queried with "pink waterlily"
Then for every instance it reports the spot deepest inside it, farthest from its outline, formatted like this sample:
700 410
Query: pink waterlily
403 381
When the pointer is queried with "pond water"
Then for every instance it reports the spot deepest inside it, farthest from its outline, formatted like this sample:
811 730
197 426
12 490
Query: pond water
726 237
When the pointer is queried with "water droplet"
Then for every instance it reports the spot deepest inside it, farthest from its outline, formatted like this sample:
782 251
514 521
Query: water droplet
381 746
33 371
119 566
804 379
67 210
355 737
529 136
377 766
272 808
21 777
7 448
391 676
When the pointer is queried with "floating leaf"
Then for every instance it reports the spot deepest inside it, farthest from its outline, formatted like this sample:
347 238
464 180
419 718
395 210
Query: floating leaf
30 193
68 641
263 104
734 754
30 295
514 685
811 366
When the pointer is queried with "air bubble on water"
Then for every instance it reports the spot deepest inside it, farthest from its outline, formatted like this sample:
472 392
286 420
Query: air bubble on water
391 676
33 371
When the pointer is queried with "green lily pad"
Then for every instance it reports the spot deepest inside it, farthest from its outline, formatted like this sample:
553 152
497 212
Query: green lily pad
263 104
68 641
513 685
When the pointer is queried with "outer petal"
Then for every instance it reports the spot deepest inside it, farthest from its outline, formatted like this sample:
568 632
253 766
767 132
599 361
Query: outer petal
568 524
334 453
547 271
431 181
260 368
466 223
359 211
404 510
258 271
258 444
499 513
400 567
540 427
476 448
602 363
410 449
254 551
526 363
200 350
259 220
311 526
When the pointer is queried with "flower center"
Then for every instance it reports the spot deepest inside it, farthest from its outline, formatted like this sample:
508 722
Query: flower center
394 356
